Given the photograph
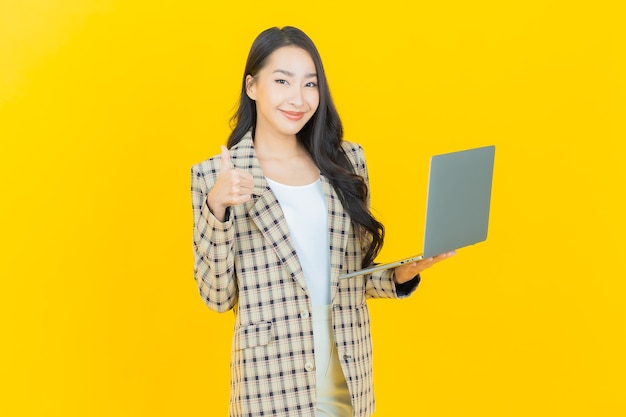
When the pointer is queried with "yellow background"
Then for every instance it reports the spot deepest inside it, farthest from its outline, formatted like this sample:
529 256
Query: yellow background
105 105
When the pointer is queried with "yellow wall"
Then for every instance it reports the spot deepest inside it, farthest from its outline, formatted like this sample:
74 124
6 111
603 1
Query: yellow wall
104 106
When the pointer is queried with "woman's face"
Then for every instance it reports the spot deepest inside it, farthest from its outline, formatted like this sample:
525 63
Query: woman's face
285 92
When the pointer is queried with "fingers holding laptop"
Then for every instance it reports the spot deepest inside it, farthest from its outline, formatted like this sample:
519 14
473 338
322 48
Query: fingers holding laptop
406 272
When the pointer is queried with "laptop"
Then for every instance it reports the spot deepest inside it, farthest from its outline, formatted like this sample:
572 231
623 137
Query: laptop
457 209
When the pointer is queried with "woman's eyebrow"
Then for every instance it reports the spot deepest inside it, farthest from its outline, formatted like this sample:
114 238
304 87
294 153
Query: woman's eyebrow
291 74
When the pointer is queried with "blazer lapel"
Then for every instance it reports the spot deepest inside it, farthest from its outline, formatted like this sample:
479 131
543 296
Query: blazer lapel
338 232
265 211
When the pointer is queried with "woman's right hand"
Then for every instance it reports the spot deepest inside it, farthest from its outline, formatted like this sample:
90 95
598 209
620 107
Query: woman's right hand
232 187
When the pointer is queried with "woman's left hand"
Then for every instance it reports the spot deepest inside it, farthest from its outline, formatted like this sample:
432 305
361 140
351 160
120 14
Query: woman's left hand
406 272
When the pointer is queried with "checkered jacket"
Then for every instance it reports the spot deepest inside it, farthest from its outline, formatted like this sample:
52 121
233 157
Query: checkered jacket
249 263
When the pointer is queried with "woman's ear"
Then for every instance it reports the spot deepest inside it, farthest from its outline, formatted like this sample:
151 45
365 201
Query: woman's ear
250 87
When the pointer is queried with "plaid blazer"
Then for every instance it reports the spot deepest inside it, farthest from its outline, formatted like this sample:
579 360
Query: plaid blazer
249 263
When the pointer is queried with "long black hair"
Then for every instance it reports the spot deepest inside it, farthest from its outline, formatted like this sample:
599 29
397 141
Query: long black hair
321 136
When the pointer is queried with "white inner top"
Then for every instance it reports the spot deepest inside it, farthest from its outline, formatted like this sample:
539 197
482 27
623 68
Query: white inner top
305 210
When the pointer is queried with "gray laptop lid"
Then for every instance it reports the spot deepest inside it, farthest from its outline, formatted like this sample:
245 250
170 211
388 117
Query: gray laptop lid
459 196
457 209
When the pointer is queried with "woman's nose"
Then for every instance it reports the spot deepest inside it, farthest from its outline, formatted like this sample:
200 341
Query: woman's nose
296 97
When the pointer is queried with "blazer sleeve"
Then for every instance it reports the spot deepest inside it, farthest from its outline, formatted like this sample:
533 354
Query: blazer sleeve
380 284
213 243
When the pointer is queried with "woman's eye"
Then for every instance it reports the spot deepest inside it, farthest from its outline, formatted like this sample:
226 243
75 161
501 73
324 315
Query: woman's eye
281 81
311 84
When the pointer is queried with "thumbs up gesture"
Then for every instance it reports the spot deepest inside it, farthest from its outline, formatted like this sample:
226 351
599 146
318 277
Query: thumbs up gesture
232 187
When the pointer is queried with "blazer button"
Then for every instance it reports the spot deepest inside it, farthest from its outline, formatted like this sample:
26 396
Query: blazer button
304 314
309 366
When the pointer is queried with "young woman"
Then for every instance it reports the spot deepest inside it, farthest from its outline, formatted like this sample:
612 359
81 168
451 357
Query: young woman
278 216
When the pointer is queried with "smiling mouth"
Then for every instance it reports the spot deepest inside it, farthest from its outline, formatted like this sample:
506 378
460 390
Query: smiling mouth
293 115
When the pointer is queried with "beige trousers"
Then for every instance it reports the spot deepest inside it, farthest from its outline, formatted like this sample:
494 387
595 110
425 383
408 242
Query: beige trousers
333 397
